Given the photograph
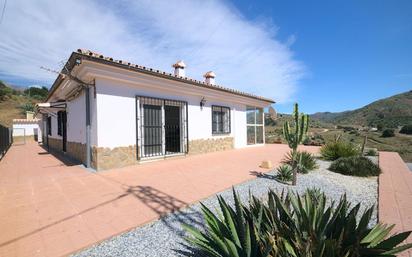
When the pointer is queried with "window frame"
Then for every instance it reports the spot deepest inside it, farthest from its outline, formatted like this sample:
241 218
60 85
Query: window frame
59 123
222 132
255 125
49 126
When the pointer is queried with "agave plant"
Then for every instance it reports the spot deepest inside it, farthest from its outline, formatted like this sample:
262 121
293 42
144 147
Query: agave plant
292 225
305 161
230 233
285 173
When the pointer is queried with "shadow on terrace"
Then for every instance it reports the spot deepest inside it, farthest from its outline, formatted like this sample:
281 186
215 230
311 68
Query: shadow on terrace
166 206
66 160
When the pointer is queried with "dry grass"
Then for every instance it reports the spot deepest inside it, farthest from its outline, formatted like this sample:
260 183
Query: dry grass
10 109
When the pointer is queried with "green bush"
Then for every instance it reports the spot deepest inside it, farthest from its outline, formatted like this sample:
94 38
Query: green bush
284 173
27 107
291 225
371 152
337 149
388 133
355 166
306 161
407 129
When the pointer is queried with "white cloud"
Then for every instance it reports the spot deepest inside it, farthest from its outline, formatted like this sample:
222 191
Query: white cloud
207 35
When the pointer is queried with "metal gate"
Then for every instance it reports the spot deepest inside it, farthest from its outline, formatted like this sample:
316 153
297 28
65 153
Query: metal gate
161 127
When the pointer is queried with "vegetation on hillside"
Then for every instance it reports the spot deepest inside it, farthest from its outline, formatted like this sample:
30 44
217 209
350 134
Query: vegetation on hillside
14 103
382 115
389 112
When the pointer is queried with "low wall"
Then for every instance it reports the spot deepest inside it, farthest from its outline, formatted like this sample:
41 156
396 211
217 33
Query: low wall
211 145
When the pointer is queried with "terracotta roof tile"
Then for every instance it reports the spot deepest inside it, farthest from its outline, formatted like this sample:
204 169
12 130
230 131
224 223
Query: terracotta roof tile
166 74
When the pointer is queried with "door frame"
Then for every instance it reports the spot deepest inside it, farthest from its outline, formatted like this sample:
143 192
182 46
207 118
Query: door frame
184 129
64 130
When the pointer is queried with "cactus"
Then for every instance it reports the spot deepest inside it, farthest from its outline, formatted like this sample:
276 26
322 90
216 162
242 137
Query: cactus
295 136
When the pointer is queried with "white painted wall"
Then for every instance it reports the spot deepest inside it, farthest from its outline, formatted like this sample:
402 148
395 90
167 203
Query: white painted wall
54 127
76 120
116 115
28 129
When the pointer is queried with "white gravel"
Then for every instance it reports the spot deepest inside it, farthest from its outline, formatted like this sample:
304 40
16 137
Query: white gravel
165 236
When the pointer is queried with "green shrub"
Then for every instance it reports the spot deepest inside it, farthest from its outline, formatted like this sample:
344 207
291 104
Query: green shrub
355 166
27 107
371 152
291 225
407 129
284 173
306 161
388 133
337 149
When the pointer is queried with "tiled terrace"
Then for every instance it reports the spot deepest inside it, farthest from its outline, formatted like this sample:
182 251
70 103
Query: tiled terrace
48 208
395 194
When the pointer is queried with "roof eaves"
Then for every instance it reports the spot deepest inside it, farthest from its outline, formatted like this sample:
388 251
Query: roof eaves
135 67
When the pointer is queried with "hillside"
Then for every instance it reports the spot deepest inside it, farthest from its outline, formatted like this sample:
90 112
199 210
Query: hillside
14 102
389 112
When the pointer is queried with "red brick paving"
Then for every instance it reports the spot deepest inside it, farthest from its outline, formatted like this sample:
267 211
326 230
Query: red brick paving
395 193
50 209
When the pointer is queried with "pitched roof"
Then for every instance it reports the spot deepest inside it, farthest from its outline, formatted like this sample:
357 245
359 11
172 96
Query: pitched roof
93 56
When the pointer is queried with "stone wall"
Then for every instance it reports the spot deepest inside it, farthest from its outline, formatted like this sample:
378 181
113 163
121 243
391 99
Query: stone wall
77 151
210 145
108 158
55 144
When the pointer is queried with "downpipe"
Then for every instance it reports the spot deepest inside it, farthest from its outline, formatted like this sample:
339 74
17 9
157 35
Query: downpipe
88 128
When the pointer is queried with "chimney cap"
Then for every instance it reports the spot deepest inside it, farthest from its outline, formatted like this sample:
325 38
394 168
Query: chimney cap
179 64
210 74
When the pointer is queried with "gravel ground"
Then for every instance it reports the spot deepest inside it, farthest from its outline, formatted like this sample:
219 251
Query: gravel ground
164 237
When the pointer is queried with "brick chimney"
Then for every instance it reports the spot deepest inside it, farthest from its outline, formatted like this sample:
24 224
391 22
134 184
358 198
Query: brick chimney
210 77
179 69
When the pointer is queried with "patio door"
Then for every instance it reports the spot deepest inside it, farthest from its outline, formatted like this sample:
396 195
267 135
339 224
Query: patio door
162 127
152 130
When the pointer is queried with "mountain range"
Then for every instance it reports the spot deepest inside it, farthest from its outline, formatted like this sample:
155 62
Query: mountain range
388 112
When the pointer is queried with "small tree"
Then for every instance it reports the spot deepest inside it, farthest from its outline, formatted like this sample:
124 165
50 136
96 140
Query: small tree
407 129
295 136
388 133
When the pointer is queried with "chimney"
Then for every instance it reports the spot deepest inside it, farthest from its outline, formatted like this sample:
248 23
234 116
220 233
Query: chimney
179 69
210 77
29 115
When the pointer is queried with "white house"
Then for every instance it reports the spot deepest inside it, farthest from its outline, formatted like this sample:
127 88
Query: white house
111 113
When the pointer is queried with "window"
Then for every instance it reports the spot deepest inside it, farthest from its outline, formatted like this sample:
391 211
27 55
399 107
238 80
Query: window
254 118
59 123
220 120
49 132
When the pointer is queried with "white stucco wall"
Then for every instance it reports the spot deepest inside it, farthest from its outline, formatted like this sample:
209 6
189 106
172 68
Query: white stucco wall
54 127
116 113
76 120
28 129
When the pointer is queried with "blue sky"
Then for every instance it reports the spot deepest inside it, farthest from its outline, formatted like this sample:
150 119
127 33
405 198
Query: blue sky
355 51
326 55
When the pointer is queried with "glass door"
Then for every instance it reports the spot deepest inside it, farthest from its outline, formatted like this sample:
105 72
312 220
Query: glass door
255 127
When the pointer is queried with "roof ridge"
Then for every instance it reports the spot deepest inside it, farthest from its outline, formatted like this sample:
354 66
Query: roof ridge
90 53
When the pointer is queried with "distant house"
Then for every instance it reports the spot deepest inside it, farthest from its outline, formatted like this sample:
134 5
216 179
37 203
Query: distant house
110 113
28 127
